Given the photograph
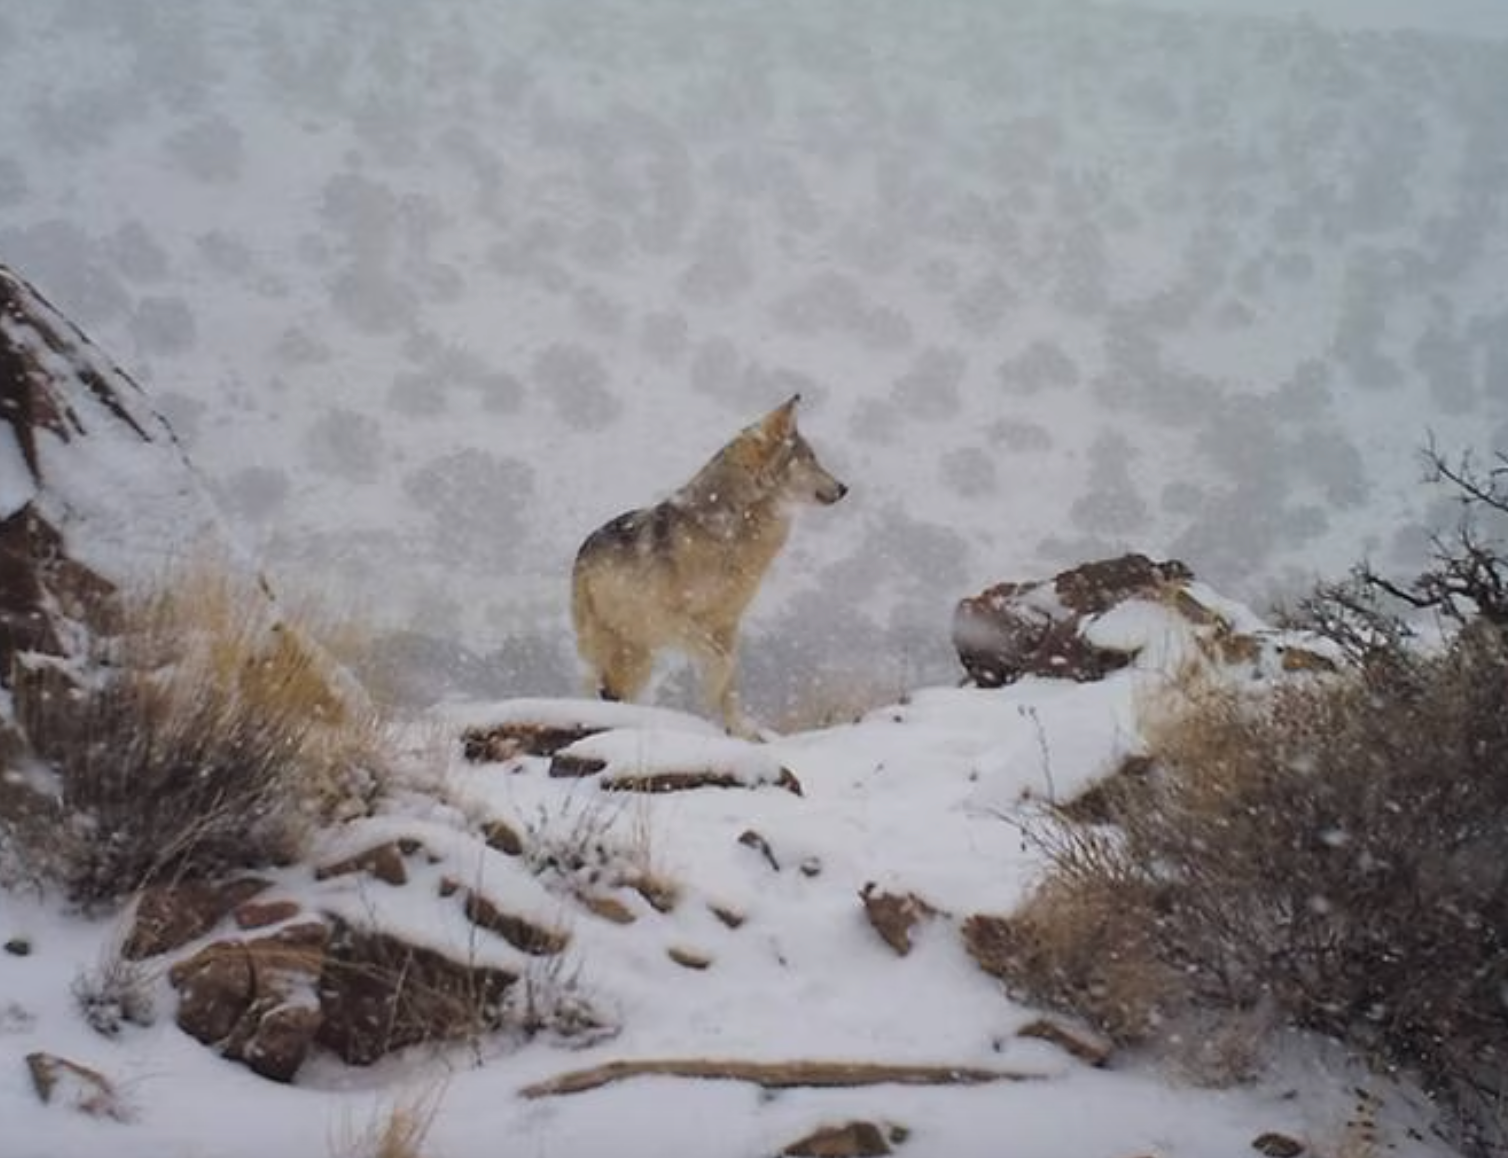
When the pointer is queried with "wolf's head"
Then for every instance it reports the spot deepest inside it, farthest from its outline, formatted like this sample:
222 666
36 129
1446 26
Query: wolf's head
786 463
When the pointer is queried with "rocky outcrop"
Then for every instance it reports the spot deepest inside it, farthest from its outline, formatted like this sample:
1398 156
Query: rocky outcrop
1065 627
379 993
257 1000
94 490
93 485
1035 628
640 760
168 917
318 981
266 973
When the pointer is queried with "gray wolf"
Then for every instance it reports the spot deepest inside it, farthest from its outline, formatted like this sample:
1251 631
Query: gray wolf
679 575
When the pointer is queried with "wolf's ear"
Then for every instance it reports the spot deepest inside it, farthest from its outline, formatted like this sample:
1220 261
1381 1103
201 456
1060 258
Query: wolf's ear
781 422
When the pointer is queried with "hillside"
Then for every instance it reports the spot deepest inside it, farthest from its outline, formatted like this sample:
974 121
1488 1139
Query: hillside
429 292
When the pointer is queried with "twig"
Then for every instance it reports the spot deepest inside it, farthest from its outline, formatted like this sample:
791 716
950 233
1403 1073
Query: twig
774 1075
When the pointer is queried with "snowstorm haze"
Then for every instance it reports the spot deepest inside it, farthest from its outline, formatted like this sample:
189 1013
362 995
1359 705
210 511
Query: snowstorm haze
430 289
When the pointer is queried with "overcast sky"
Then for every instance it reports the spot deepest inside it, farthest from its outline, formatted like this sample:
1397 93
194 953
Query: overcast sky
1465 17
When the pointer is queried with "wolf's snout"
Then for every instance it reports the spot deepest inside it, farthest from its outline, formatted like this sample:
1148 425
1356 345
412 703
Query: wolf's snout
832 494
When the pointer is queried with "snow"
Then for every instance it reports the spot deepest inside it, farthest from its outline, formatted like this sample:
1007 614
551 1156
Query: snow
928 797
429 291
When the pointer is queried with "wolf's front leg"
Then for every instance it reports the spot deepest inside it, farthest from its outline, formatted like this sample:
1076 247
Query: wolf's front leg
719 662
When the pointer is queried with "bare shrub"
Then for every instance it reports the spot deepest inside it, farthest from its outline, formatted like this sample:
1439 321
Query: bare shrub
595 845
552 1000
1327 850
115 993
1083 942
204 732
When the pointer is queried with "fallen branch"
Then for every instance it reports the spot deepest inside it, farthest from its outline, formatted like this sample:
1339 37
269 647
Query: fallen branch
774 1075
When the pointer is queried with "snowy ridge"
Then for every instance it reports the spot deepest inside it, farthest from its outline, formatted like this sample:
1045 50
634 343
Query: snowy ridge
764 956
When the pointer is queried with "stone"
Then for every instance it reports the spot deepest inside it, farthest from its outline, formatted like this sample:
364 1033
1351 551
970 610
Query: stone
894 915
282 1041
689 958
564 766
378 994
503 837
1013 630
523 934
58 1081
215 990
857 1139
383 861
608 908
728 915
1276 1145
686 780
59 397
255 1000
167 917
18 946
261 914
503 742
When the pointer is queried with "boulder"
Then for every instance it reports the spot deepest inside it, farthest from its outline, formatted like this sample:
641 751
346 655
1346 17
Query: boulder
378 994
167 917
97 487
1035 628
1068 627
256 1000
268 1001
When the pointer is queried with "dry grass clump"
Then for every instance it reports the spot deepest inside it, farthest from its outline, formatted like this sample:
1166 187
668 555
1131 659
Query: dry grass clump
397 1128
204 733
1082 942
1330 851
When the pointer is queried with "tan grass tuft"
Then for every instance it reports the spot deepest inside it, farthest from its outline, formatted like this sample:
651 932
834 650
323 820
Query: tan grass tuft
206 732
397 1128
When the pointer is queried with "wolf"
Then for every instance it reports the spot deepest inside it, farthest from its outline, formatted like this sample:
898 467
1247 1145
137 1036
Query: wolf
679 575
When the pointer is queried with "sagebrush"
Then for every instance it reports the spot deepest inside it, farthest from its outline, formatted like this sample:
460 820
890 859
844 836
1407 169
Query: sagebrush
1328 853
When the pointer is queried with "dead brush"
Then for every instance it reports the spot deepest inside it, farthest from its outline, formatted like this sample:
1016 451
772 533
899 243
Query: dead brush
1081 942
593 845
1326 854
204 733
